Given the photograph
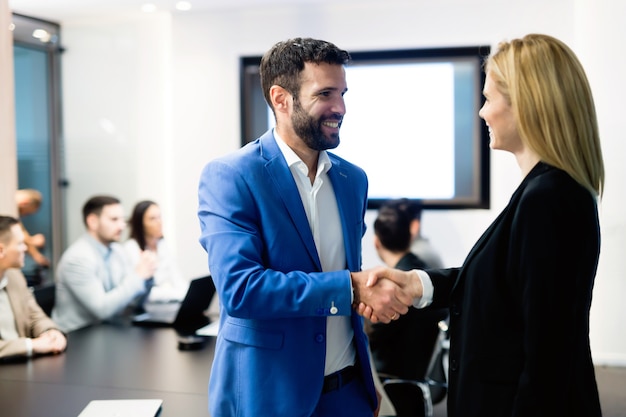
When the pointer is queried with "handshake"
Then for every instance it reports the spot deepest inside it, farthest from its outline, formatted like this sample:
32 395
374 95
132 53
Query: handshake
383 294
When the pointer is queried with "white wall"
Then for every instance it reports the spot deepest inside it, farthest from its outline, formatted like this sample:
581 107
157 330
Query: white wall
8 155
170 87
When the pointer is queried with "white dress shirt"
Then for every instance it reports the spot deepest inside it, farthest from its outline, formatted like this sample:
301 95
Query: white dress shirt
322 212
427 290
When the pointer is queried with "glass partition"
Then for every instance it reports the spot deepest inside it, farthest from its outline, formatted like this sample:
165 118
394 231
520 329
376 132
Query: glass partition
37 111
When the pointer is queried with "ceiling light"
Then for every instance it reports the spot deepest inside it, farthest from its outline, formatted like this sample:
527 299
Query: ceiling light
42 35
183 6
148 8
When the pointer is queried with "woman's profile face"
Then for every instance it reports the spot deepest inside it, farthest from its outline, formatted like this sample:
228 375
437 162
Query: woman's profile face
498 115
152 224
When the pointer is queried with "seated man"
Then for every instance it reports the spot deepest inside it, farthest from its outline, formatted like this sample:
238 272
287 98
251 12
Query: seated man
419 244
403 347
94 280
25 330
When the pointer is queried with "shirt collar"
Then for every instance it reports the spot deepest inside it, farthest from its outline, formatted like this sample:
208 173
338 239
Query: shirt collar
4 281
103 250
293 160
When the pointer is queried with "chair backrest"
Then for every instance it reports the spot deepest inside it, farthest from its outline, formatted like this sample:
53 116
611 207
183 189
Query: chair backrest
415 397
45 296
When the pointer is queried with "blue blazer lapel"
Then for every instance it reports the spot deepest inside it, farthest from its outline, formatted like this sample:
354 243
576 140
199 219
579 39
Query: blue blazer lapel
348 212
286 188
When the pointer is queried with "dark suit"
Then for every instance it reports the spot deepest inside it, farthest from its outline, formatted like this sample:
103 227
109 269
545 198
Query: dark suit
519 306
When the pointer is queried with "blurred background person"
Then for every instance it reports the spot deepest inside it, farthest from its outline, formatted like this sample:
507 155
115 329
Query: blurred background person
28 202
146 233
94 279
420 245
404 347
25 330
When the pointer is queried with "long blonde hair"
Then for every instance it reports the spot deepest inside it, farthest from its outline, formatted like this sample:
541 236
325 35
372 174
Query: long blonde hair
550 95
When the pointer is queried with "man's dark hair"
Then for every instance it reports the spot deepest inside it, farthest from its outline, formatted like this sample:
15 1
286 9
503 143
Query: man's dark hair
6 222
284 62
95 204
393 224
412 207
392 227
137 230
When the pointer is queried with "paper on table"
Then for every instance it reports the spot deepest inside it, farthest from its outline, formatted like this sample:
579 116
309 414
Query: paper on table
122 408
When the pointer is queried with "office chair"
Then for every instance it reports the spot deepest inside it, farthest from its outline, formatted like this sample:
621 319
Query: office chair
416 397
45 297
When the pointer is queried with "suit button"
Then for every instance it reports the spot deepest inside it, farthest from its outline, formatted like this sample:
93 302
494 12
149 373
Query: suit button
319 338
454 365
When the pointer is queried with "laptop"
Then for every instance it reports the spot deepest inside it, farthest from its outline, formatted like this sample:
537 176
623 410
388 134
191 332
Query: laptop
122 408
185 317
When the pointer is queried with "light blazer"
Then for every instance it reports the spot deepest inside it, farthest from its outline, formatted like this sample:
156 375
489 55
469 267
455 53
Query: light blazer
30 319
274 299
519 306
81 279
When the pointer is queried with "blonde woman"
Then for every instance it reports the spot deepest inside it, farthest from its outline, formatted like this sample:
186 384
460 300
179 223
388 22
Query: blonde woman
519 304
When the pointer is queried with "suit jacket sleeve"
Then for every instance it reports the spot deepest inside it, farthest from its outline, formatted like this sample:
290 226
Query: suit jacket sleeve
261 265
31 320
82 273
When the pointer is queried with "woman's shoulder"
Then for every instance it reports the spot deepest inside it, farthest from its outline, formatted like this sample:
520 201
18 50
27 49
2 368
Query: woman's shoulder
551 181
553 187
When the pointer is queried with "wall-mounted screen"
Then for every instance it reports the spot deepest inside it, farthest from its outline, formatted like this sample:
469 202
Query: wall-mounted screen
411 123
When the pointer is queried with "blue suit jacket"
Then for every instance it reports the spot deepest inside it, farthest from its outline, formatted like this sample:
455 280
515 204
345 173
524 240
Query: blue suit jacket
274 299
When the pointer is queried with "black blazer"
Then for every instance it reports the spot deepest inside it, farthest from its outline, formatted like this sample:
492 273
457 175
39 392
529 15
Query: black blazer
519 306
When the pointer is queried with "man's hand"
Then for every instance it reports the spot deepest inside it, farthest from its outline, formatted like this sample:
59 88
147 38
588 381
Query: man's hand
386 298
147 264
50 341
387 293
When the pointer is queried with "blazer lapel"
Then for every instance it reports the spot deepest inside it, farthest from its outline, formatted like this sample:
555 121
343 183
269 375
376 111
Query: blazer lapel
286 188
513 202
14 295
348 212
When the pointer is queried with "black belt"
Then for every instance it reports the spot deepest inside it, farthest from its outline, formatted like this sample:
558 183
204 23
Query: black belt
339 379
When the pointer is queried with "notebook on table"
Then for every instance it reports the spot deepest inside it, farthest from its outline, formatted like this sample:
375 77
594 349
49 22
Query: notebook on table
122 408
185 317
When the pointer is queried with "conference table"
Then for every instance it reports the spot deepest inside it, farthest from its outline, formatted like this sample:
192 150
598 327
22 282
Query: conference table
106 362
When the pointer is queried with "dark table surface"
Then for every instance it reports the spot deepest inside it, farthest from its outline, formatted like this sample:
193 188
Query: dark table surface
109 362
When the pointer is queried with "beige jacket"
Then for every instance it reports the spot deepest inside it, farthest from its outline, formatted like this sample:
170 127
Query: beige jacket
30 319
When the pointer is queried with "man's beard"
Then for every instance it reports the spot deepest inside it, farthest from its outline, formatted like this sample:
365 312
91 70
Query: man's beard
310 129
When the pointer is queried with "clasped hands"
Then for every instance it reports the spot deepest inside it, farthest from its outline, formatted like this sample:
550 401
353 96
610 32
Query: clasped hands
383 294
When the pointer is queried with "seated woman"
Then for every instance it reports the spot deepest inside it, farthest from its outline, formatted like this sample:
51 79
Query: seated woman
146 233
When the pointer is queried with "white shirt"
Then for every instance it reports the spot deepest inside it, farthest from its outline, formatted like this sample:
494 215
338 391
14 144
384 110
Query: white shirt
7 319
427 290
169 285
322 212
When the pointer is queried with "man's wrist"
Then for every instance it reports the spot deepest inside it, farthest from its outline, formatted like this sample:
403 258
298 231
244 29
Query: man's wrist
355 292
